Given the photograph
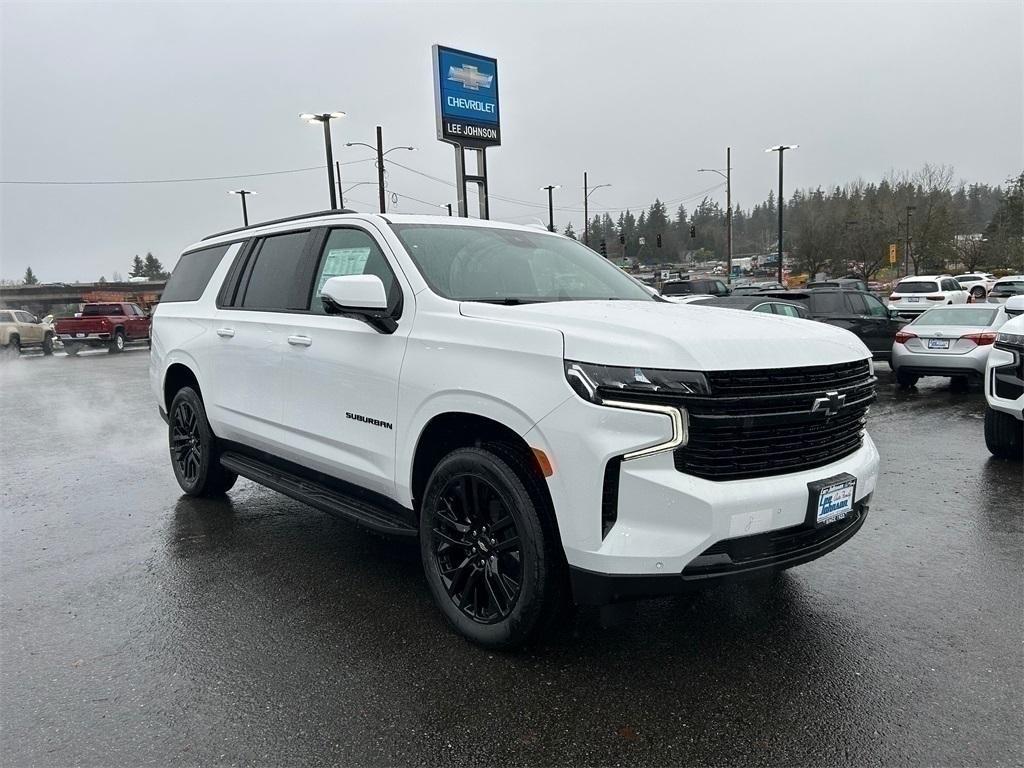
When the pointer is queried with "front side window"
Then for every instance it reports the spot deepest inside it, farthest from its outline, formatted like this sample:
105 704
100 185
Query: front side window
25 317
763 308
471 263
354 252
856 303
787 309
275 282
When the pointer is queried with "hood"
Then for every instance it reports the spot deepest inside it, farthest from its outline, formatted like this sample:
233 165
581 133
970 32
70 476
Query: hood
680 336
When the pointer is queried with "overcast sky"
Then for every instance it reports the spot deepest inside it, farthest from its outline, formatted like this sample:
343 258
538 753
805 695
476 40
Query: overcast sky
639 95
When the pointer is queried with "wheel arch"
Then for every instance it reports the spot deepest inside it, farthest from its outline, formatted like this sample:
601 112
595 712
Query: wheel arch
177 376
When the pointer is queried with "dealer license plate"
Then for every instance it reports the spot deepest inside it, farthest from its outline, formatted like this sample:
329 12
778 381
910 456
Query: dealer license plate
938 343
831 500
913 299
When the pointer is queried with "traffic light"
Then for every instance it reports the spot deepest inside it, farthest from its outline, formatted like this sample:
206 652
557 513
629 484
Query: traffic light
659 239
622 239
693 231
604 249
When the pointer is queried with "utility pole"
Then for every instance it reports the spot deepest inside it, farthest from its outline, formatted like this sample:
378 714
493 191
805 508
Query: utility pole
551 205
449 207
909 248
380 169
586 215
728 214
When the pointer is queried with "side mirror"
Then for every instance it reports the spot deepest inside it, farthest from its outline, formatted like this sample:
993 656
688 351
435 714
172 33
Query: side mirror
359 296
1015 306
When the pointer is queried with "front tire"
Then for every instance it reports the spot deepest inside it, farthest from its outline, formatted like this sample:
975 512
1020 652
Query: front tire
195 455
48 344
978 293
1004 435
489 547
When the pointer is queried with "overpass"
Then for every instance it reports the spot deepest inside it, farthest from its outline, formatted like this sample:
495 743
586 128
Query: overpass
39 299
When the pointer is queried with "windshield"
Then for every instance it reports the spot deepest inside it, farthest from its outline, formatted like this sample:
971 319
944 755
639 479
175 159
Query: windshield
511 266
919 286
967 317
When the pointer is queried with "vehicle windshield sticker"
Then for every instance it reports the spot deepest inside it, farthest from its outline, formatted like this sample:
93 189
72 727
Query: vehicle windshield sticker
343 261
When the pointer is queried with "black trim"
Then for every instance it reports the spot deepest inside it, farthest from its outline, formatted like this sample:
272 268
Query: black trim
610 495
229 288
328 494
285 220
719 563
927 370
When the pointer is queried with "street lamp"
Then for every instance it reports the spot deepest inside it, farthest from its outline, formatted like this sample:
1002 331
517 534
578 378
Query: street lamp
586 211
781 149
728 207
551 206
242 193
325 118
379 149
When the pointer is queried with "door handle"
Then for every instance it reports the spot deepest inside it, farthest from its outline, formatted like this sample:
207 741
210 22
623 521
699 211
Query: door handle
300 341
226 333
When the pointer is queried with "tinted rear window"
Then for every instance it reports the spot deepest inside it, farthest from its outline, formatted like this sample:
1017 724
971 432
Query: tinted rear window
192 272
676 289
94 310
1009 286
829 304
916 286
967 317
275 281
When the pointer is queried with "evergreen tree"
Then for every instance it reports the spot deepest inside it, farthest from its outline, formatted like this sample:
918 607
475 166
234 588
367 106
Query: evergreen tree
569 232
138 267
153 269
30 277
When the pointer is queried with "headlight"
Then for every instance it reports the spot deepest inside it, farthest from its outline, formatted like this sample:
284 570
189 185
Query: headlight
625 388
597 383
1011 339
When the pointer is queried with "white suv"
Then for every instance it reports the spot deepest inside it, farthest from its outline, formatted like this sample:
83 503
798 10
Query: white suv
540 422
913 295
978 284
1004 386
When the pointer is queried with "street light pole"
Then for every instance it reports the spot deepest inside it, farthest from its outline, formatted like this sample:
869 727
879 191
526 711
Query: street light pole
551 205
586 210
728 207
781 149
341 195
379 149
325 118
245 211
907 251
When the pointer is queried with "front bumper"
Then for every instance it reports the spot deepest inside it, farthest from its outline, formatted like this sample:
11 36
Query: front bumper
1004 381
664 519
728 560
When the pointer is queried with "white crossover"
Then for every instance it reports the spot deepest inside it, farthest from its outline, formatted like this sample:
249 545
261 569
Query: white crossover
1004 386
543 425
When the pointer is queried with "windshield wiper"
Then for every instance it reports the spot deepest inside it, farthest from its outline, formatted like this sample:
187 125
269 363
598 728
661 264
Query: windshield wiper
508 301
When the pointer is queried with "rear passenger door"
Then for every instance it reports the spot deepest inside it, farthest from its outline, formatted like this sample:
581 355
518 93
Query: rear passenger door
342 375
268 285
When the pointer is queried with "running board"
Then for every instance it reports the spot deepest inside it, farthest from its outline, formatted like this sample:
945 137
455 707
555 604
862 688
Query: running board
364 513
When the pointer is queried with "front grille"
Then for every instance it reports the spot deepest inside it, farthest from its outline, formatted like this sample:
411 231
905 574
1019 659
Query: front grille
759 423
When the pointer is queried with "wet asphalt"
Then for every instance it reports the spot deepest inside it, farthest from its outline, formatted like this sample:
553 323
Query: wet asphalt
141 627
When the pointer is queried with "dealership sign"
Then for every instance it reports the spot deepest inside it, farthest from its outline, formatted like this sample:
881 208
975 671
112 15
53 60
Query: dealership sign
466 98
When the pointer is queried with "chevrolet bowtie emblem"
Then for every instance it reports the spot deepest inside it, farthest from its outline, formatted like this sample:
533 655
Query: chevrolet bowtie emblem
829 404
470 77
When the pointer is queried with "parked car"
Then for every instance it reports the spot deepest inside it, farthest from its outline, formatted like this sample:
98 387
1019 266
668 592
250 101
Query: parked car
755 303
950 341
1005 287
850 283
682 287
913 296
856 311
750 288
22 330
428 377
1004 391
110 325
978 284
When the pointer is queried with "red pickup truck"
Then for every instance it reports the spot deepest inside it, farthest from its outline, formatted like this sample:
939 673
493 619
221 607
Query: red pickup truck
110 325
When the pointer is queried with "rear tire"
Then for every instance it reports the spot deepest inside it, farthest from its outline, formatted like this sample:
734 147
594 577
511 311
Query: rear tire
72 350
116 343
14 346
195 455
490 548
48 344
1004 435
978 293
906 380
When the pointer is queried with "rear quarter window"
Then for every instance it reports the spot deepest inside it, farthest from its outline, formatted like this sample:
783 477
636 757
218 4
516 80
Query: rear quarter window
192 273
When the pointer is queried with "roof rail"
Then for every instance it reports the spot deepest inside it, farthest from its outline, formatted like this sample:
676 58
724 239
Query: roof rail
286 219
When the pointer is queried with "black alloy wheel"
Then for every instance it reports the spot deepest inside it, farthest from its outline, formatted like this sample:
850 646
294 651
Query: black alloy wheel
195 456
489 545
186 443
477 548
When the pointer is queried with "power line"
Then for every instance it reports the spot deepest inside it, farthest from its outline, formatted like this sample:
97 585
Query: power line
183 180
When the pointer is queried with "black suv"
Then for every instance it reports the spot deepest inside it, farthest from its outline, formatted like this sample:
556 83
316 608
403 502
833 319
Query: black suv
857 311
703 286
